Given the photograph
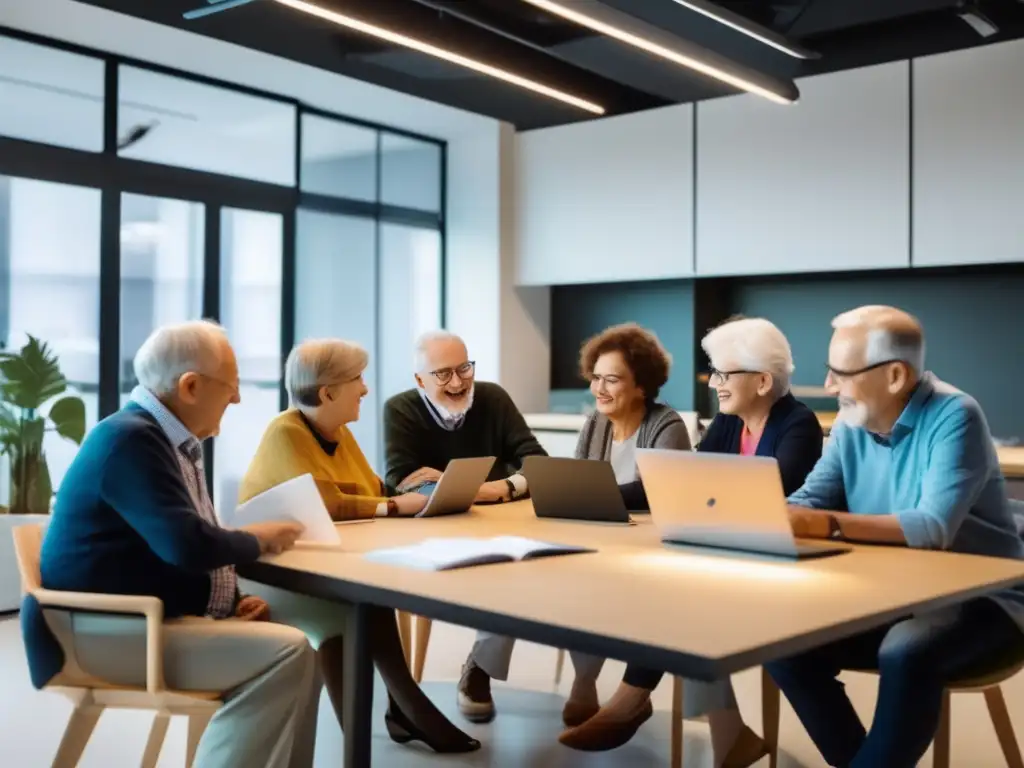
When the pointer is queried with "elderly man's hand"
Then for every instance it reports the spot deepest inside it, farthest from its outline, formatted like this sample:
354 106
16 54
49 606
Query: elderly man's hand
419 477
496 490
808 523
275 538
252 608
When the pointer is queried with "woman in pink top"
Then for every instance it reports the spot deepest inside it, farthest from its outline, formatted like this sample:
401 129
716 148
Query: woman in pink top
751 365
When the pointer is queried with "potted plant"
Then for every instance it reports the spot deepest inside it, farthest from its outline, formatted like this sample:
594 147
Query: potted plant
29 379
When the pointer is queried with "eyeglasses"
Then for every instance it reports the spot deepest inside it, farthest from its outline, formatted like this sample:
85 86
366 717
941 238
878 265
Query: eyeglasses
717 377
465 371
232 388
838 373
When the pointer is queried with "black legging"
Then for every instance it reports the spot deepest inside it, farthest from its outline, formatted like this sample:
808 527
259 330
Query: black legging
641 677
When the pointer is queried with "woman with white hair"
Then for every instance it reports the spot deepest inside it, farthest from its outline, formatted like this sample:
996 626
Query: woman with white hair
324 380
751 364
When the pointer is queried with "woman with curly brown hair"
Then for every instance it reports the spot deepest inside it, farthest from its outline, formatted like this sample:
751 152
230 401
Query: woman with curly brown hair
626 366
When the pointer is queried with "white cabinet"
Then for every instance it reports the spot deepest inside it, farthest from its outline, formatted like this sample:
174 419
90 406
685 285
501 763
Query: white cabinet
607 200
822 185
969 156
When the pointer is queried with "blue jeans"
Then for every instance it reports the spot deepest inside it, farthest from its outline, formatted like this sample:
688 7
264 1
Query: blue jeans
916 659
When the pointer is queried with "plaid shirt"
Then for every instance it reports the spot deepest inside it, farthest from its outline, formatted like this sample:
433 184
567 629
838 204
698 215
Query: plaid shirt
223 581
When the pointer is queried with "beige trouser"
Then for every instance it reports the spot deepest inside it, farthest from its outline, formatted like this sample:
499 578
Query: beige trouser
267 670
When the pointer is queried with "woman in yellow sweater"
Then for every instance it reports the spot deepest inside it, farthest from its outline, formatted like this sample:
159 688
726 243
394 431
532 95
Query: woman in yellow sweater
324 379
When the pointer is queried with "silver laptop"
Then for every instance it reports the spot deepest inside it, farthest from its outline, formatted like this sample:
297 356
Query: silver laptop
722 501
459 484
574 489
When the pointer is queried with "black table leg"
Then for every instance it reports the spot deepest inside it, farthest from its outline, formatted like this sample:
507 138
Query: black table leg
358 688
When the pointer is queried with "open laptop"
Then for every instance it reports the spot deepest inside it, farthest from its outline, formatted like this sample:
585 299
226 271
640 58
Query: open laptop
458 486
574 489
723 501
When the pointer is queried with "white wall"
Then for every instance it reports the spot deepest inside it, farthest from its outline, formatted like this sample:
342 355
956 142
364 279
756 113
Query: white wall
506 328
607 200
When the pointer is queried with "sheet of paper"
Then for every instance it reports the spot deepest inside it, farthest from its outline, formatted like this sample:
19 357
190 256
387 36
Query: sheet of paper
435 553
298 500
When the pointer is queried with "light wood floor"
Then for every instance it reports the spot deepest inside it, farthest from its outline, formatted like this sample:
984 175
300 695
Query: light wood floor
523 734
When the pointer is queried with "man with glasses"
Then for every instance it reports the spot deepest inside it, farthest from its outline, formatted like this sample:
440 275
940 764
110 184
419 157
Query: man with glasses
449 415
910 462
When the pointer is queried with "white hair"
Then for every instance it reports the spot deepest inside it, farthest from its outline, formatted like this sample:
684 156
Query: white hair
892 334
317 363
753 344
174 350
425 341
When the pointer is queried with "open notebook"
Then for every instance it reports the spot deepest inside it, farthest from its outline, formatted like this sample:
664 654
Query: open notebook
444 554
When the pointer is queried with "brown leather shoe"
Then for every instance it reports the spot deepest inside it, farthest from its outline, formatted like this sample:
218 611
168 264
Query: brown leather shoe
746 750
475 702
576 712
606 730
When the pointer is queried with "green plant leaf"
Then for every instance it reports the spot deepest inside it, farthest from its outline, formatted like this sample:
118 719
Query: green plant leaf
68 416
31 377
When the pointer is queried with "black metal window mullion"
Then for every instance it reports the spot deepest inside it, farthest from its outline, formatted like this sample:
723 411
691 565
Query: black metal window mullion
109 396
211 302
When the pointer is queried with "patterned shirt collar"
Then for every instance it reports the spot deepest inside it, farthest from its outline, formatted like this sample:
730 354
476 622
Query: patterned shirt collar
176 432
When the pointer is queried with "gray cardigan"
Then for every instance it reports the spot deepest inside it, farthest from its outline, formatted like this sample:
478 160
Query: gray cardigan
662 427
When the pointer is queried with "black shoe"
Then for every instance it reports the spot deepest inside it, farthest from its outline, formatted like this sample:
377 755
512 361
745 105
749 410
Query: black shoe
402 731
475 702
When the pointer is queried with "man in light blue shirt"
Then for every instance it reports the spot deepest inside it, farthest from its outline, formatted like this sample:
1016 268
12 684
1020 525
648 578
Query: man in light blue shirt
912 463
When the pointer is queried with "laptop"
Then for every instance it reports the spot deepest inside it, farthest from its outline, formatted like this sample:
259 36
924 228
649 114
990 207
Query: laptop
457 489
723 501
575 489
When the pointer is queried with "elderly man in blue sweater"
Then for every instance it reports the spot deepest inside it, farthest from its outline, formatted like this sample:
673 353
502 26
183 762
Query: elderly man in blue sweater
133 517
911 463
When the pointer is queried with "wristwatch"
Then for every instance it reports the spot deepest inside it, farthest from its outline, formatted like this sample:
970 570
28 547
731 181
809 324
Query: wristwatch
834 531
511 489
392 508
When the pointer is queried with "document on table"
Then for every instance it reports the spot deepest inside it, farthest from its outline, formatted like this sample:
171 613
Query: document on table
297 499
444 554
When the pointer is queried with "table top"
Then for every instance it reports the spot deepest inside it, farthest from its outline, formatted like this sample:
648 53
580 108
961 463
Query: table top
697 614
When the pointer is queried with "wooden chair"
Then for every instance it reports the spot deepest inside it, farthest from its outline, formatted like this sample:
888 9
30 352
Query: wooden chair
92 696
989 686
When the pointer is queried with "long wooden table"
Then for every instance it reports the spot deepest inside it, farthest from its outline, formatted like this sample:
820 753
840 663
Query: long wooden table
696 614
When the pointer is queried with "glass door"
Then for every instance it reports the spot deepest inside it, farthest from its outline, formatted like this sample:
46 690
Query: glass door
251 254
162 247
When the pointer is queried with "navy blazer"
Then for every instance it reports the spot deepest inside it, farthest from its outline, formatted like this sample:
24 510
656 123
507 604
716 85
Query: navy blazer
792 435
124 523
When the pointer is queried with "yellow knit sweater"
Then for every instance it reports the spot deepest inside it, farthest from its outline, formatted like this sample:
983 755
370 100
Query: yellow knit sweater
288 449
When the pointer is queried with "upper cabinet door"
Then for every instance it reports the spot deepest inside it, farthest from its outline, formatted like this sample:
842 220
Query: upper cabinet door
969 156
819 186
606 201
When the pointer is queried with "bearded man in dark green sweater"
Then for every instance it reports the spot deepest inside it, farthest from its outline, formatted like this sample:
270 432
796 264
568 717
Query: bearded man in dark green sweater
449 415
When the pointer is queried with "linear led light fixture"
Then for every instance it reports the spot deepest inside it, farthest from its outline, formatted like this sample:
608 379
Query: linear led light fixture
405 41
744 27
606 21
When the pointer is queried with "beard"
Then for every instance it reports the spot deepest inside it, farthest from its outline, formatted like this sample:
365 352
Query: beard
450 408
853 413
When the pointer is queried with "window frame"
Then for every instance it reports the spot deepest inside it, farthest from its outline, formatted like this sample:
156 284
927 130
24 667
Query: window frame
114 175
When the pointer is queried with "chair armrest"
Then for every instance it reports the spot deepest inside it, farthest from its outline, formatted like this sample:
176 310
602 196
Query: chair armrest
152 608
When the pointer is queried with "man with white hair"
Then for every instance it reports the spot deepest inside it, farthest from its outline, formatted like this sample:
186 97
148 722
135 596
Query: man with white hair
909 463
449 415
134 517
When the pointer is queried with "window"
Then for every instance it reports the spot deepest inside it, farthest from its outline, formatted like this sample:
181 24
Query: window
169 120
51 96
410 173
335 290
250 310
339 159
161 271
410 300
49 288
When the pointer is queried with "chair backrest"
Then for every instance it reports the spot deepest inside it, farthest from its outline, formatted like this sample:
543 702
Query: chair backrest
28 542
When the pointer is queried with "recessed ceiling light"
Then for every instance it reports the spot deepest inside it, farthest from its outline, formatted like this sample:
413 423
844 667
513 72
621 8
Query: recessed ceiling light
405 41
745 27
613 24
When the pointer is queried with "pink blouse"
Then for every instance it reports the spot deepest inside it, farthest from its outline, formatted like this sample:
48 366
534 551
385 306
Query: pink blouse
748 442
